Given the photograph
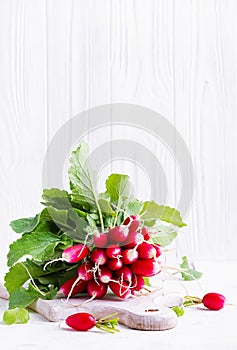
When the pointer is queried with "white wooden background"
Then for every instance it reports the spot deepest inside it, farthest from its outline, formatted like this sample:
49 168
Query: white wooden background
179 58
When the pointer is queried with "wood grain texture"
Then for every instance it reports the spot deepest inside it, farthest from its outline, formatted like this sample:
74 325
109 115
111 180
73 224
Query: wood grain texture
61 57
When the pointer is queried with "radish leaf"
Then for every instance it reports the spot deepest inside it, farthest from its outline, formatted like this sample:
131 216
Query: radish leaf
39 245
134 207
189 274
25 224
151 212
179 310
21 297
104 202
117 187
163 235
16 316
59 199
83 181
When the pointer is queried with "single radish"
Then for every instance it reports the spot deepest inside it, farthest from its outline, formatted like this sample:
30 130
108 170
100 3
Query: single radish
125 274
120 289
146 267
129 219
118 234
134 238
145 234
158 249
75 253
129 256
113 251
78 288
98 256
100 240
137 282
96 290
85 271
83 321
146 251
104 274
132 222
114 264
214 301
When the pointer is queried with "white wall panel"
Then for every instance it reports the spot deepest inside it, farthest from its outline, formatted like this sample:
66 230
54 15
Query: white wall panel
179 58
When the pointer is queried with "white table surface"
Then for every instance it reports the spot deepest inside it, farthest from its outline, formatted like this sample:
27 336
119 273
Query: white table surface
198 329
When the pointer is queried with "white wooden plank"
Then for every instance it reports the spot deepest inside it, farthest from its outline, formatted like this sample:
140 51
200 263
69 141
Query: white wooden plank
59 58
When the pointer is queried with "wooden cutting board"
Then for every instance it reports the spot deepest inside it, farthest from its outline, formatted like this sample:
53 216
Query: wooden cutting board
147 312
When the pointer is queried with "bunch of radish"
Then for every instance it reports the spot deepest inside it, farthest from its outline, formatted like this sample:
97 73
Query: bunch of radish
119 260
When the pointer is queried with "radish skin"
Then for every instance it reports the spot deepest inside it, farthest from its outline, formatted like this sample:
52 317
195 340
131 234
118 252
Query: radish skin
132 222
112 251
98 256
134 238
81 321
145 234
214 301
96 290
146 267
100 240
114 264
158 249
104 275
129 256
146 251
120 289
124 274
118 234
78 288
85 272
137 283
75 253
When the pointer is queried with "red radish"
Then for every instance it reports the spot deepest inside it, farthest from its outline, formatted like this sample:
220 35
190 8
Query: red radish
78 288
129 256
118 234
96 290
146 251
137 282
104 275
85 271
129 219
132 222
158 249
100 240
134 238
81 321
112 251
125 274
114 264
145 233
213 301
134 225
120 289
146 267
75 253
98 256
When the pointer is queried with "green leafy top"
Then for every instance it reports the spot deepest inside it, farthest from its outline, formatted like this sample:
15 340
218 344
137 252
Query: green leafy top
71 217
83 181
151 212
